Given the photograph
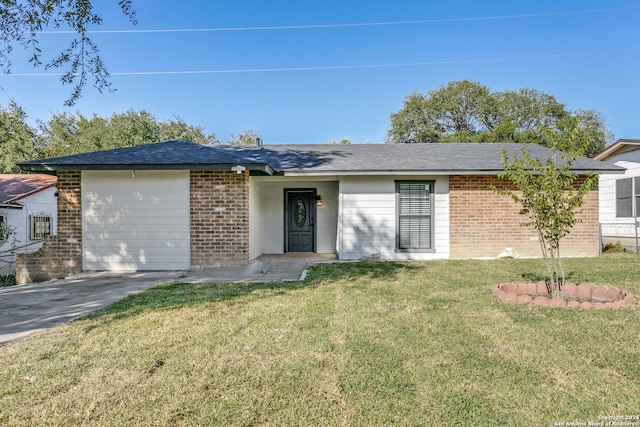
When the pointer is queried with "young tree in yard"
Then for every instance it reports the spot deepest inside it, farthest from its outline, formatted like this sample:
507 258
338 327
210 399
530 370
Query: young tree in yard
550 195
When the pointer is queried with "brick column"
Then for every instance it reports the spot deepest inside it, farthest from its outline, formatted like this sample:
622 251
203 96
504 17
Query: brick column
483 223
61 254
219 218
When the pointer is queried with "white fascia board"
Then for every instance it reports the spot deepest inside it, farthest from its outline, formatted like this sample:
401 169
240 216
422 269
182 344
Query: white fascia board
369 172
425 172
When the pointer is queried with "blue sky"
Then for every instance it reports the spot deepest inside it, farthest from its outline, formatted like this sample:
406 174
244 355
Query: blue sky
308 84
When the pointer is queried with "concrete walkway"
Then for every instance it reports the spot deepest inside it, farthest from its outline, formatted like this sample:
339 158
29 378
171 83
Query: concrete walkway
29 308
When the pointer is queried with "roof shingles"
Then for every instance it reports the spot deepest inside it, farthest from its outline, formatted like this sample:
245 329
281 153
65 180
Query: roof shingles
14 187
451 158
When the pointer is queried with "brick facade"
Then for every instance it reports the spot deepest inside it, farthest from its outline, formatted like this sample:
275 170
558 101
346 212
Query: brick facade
483 223
219 226
61 254
219 219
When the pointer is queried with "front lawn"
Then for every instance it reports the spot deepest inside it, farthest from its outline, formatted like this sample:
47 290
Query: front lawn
354 344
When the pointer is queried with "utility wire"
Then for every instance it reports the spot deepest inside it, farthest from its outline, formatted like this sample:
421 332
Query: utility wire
341 67
361 24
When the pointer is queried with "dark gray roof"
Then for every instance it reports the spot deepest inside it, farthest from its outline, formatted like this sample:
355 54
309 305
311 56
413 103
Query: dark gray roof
160 155
442 158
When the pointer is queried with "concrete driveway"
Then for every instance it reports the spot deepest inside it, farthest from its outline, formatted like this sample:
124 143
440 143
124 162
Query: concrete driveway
29 308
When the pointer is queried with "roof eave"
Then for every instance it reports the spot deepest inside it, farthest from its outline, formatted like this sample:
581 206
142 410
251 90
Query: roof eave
32 192
52 168
10 206
434 172
615 147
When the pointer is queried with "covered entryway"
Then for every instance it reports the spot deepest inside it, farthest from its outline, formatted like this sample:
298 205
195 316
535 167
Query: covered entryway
135 220
300 212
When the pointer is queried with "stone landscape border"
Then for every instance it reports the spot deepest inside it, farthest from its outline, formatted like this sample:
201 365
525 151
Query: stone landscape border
582 295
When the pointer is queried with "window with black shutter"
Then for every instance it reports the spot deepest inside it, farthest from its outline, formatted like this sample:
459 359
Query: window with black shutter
414 207
624 198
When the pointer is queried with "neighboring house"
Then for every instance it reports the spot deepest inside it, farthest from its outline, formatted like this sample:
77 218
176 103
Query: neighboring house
620 194
28 211
178 205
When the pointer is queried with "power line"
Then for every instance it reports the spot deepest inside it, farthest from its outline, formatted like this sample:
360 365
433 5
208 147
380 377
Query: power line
361 24
341 67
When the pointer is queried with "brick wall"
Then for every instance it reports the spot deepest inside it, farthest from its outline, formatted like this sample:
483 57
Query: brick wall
483 223
219 219
61 254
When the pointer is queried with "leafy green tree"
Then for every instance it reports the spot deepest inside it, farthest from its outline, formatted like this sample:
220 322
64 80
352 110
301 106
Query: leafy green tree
550 195
247 137
466 111
22 20
66 134
179 129
18 141
343 141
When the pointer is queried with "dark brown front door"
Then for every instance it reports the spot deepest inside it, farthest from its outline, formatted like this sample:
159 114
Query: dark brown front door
300 208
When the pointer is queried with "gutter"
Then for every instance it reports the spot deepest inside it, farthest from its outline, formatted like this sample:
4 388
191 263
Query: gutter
11 206
52 168
449 172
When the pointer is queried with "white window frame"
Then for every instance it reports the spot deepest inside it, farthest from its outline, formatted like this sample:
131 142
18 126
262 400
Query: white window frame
421 245
40 226
4 228
630 203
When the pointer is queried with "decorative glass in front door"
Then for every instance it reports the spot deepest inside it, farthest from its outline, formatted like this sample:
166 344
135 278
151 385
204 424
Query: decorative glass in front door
300 213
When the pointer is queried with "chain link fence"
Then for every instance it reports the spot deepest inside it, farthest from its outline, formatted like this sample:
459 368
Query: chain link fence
8 260
7 264
627 235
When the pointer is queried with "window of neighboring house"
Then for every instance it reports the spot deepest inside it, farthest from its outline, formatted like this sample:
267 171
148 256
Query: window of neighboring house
627 197
636 183
414 210
40 226
4 228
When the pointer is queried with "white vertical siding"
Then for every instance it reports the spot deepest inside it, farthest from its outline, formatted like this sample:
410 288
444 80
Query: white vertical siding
367 217
612 226
255 219
267 218
136 222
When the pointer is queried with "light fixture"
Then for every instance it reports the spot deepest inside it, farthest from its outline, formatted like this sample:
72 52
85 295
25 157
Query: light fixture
239 169
318 200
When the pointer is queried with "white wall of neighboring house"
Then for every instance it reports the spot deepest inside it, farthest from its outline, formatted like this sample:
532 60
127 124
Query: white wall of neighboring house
612 227
41 203
367 215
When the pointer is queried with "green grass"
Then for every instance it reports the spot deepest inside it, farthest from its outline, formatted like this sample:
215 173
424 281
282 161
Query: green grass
8 280
354 344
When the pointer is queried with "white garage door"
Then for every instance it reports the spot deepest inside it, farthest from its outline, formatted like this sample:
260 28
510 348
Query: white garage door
135 220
